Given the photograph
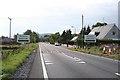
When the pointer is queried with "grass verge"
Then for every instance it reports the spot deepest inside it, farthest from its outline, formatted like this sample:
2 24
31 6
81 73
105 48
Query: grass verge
13 62
96 51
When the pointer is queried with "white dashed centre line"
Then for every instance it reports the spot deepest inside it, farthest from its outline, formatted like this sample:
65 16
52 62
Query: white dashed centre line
48 62
82 62
77 60
118 74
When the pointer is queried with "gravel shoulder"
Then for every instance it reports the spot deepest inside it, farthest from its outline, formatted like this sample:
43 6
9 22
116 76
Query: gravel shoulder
36 69
24 70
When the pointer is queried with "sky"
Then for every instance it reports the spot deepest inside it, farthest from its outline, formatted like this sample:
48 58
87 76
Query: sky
51 16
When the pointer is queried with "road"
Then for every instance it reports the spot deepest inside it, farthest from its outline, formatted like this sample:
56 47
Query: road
59 62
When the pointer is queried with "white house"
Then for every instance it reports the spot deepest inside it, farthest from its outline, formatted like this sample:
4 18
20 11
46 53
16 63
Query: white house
110 31
74 38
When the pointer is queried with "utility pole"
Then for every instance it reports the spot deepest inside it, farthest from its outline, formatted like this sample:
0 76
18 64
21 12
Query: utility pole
10 28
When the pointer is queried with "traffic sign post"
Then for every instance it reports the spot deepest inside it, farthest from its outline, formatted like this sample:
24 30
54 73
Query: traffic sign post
23 39
90 38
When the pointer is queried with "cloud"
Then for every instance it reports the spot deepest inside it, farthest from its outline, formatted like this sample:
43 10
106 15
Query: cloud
32 8
54 15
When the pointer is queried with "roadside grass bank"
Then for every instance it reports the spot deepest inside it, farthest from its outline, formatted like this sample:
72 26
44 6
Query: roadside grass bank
12 62
97 50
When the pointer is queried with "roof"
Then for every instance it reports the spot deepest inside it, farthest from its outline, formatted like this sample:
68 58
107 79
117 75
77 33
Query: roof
74 38
103 30
7 40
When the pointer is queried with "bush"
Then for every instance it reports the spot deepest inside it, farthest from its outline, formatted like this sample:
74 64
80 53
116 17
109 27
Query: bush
107 41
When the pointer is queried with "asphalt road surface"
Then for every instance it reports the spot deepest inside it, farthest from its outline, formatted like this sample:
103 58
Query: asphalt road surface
58 62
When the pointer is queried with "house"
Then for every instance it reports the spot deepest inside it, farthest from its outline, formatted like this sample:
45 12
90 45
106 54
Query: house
7 40
110 31
74 38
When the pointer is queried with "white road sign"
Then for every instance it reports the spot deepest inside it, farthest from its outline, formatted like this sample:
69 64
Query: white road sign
90 38
23 39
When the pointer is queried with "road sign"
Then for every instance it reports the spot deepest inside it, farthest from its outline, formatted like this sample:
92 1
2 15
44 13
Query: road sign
90 38
23 39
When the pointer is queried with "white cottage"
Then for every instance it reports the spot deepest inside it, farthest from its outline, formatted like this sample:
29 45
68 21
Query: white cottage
110 31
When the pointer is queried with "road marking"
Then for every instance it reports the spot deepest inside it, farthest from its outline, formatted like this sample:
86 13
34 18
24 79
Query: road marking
43 66
75 58
78 60
48 62
117 74
82 62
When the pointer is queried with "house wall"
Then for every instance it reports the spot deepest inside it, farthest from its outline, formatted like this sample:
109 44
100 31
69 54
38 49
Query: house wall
110 33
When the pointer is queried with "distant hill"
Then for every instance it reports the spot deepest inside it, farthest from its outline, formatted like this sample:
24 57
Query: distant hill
42 35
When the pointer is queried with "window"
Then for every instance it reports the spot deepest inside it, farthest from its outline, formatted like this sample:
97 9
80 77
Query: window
97 33
113 33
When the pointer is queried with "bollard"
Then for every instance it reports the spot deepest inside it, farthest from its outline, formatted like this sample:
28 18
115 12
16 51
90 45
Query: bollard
103 50
109 51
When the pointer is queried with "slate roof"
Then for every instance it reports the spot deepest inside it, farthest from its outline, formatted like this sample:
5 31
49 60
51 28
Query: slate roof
103 30
74 38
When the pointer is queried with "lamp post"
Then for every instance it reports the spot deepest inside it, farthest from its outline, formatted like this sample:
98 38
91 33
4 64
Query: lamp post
74 29
74 35
10 27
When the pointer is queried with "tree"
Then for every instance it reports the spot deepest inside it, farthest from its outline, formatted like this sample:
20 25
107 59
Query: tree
2 37
63 37
55 38
66 37
98 24
28 32
88 30
33 36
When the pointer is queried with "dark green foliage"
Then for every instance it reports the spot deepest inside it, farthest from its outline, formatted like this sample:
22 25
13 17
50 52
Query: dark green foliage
98 24
88 30
108 41
66 36
55 38
28 32
33 36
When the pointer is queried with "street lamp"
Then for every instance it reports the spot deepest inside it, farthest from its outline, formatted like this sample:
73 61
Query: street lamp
74 29
74 35
10 27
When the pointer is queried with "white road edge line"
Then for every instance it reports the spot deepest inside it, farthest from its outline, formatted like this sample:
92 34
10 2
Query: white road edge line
43 65
117 74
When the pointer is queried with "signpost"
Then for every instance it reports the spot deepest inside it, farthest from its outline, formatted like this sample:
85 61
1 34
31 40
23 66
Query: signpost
90 38
23 39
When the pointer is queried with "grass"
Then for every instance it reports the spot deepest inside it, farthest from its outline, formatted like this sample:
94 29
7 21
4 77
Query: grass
13 62
96 50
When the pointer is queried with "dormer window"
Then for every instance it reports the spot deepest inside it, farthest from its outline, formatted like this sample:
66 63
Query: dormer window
113 33
97 33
